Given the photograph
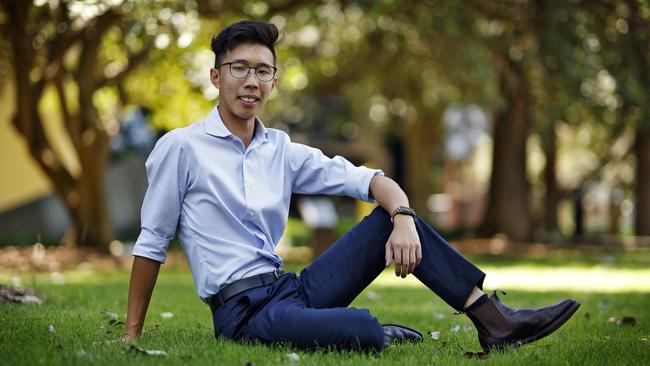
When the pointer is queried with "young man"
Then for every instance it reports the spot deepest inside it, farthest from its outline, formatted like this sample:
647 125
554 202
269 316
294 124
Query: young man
226 182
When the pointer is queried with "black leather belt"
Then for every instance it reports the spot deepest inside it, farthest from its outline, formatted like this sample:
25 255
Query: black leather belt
237 287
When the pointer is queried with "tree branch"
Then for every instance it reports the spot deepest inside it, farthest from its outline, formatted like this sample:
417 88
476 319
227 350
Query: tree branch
134 60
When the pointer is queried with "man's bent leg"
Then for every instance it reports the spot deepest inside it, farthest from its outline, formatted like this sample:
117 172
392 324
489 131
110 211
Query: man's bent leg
356 259
346 268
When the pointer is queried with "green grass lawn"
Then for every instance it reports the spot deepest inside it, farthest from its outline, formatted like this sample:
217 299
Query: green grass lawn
81 333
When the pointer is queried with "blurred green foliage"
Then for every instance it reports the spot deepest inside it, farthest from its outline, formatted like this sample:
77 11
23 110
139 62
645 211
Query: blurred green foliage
384 72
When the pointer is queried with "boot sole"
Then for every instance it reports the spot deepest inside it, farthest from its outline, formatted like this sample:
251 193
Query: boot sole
550 328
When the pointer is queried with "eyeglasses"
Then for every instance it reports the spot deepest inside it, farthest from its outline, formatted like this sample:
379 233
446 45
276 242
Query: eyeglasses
241 70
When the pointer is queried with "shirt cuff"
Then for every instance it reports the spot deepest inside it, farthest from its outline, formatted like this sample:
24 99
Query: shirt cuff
363 185
151 246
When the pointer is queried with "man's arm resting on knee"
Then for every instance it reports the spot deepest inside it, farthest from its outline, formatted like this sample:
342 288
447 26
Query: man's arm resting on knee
403 246
143 279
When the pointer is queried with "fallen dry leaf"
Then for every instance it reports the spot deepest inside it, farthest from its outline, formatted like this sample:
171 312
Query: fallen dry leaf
18 295
115 322
109 314
455 328
628 320
50 328
167 315
293 357
435 335
148 352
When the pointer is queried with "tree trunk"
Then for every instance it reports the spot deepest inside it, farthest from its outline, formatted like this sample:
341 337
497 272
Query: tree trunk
552 194
639 26
642 153
508 207
82 196
419 136
91 217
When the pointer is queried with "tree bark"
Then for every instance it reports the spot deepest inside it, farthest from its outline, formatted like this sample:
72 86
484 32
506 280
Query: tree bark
642 188
640 34
552 194
420 137
508 207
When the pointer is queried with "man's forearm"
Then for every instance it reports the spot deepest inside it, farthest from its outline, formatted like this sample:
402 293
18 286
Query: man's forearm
143 279
388 194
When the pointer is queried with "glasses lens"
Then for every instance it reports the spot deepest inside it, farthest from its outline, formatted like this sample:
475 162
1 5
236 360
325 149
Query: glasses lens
264 73
239 70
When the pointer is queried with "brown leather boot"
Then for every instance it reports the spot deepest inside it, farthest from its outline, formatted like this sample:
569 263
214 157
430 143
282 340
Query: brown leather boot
500 326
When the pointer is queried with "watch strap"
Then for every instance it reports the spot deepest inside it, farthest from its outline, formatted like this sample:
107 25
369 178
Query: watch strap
402 210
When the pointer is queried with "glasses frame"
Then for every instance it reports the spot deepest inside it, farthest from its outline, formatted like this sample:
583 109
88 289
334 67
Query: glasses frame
248 72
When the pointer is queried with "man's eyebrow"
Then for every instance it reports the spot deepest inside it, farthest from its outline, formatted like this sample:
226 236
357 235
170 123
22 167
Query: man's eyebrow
241 60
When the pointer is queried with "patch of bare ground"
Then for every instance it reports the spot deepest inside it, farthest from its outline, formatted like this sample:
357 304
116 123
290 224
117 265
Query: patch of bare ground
38 258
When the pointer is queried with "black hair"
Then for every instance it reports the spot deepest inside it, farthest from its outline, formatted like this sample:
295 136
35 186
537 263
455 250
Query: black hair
245 31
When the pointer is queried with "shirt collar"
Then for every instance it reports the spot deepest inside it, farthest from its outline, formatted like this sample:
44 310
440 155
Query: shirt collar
214 126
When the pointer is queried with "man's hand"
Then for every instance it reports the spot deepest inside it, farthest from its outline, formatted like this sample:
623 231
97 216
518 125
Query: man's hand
403 246
129 339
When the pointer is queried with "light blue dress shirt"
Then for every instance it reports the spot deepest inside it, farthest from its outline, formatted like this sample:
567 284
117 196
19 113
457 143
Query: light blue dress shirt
231 204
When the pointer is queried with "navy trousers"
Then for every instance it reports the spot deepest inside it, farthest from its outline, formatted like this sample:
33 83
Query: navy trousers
312 310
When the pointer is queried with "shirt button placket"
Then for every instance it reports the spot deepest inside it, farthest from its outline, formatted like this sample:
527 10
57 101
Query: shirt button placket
247 191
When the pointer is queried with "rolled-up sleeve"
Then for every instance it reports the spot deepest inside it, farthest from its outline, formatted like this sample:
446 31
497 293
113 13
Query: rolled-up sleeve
315 173
167 174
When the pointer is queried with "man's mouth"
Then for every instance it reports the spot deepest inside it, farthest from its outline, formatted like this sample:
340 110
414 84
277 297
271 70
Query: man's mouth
248 99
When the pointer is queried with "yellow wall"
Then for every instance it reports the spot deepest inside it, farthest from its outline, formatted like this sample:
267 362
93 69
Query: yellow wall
21 181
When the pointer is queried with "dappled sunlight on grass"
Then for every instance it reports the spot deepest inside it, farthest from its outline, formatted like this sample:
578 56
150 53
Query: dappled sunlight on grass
76 303
556 278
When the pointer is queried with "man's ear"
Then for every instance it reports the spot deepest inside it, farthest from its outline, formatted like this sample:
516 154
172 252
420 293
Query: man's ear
215 78
275 80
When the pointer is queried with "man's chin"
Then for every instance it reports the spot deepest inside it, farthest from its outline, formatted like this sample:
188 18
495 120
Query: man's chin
246 116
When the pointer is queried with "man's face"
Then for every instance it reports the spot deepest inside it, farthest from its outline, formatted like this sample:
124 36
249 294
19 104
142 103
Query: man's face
240 100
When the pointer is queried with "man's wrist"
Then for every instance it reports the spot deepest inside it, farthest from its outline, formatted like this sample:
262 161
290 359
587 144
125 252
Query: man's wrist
402 211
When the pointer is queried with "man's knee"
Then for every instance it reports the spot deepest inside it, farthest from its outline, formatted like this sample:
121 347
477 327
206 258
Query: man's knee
380 213
380 218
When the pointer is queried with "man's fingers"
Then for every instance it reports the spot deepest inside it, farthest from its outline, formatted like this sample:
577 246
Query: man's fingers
418 254
389 254
397 254
127 338
404 266
412 260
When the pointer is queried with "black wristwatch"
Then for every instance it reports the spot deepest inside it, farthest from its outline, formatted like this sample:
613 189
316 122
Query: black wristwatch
403 210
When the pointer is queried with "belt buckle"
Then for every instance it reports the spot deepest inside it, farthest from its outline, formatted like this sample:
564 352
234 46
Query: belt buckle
277 273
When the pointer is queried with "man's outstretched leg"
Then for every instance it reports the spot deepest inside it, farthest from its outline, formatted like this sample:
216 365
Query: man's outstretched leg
498 325
344 270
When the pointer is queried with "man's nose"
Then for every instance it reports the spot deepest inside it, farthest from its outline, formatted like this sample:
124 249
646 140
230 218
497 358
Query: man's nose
251 79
